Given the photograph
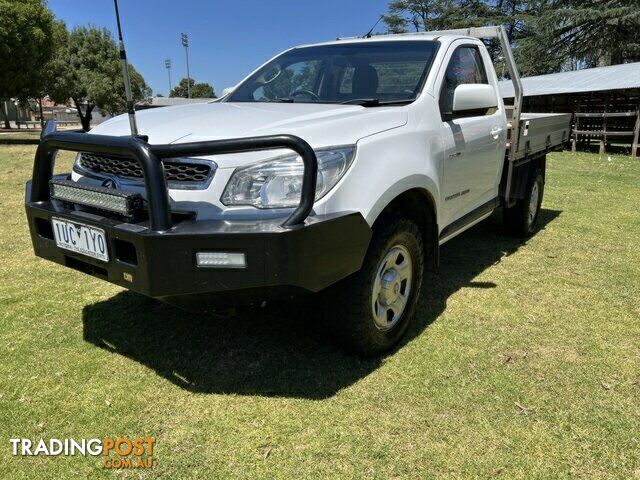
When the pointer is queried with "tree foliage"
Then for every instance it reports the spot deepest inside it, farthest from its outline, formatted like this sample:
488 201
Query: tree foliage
26 31
547 35
421 15
88 71
593 32
203 90
198 90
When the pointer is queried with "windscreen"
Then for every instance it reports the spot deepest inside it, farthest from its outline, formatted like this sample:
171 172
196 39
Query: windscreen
386 71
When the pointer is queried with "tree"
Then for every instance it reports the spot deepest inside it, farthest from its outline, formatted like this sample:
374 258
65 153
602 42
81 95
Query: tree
181 90
203 90
48 73
26 30
592 32
89 73
546 35
198 90
425 15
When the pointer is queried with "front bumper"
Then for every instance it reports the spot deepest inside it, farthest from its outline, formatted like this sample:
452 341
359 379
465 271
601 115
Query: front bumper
157 256
279 261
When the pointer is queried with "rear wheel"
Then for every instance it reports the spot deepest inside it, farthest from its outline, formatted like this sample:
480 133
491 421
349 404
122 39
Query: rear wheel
522 219
375 305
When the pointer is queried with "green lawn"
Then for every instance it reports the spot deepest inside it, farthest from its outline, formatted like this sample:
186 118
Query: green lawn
524 361
16 137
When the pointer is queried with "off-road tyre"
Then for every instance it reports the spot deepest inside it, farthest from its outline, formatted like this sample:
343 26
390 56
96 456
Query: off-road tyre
353 313
522 220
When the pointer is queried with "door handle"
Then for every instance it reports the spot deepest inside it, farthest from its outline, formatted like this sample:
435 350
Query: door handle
495 132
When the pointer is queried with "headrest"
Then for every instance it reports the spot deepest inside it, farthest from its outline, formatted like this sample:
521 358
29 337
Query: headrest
365 81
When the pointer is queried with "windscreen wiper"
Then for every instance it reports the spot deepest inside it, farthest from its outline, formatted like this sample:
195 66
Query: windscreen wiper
365 102
376 102
282 100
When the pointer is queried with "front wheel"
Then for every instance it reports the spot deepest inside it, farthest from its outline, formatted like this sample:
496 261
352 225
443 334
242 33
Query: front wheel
375 305
522 219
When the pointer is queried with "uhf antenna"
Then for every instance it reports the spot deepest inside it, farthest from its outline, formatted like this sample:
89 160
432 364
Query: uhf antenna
368 34
127 81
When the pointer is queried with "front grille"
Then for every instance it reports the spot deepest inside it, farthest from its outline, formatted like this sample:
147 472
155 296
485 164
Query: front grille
174 170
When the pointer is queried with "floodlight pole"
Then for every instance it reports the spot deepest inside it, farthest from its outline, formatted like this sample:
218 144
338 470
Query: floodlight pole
167 64
185 44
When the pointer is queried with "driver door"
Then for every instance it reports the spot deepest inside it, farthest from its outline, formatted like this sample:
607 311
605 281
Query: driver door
474 143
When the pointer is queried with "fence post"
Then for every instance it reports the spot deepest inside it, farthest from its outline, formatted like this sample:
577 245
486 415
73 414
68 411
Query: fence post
636 133
576 127
603 139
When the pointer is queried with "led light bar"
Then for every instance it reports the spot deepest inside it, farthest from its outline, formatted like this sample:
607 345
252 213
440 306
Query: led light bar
221 259
103 198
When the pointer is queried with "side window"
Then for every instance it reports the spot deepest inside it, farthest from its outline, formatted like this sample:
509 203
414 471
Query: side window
466 66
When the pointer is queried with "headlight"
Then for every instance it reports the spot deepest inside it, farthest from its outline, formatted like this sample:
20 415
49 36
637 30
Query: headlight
277 183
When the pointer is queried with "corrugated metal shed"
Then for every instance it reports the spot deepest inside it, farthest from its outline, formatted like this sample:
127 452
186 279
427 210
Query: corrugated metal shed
615 77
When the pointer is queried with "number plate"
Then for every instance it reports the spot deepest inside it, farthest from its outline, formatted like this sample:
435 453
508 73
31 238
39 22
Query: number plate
76 237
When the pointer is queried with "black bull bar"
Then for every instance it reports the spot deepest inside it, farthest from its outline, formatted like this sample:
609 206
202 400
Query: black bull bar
150 158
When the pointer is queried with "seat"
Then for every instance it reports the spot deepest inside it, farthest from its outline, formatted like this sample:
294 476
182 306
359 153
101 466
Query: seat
365 82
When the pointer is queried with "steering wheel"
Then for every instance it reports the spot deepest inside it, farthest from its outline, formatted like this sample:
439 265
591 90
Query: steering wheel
304 91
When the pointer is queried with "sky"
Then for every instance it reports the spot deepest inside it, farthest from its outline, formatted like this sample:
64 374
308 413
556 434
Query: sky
227 40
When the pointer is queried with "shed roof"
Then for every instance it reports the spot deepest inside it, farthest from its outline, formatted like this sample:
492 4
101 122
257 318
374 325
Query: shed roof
615 77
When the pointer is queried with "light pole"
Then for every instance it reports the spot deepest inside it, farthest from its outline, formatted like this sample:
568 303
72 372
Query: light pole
185 44
167 64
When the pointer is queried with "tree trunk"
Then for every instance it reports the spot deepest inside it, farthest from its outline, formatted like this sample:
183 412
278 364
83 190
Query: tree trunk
5 114
85 119
79 110
88 116
41 114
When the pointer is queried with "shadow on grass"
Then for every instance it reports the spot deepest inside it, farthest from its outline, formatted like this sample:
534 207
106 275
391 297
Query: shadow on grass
281 350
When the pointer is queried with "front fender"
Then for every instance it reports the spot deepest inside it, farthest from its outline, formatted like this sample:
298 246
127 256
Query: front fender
412 182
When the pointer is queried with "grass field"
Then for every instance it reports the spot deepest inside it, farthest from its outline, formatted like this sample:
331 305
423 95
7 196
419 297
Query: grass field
19 137
524 360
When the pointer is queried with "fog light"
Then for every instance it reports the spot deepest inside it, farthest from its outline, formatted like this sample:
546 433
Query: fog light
221 260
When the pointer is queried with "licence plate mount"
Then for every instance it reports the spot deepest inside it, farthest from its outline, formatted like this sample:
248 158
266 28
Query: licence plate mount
80 238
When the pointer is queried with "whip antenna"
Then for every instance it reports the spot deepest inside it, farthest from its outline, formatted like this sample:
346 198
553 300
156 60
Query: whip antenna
368 34
125 73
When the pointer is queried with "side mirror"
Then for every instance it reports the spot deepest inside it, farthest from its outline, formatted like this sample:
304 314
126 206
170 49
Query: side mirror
474 96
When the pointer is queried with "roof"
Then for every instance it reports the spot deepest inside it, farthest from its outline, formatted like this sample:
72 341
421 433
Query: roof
387 37
615 77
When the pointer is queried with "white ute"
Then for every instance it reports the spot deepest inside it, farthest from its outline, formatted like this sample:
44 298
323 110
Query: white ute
406 136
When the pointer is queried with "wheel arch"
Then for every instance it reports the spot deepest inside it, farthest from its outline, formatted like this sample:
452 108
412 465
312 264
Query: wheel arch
417 203
524 171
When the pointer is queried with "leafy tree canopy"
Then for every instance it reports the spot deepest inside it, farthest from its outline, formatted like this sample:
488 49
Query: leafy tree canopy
88 71
547 35
26 31
591 32
198 90
421 15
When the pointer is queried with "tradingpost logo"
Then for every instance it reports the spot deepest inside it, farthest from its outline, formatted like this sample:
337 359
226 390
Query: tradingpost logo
117 453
